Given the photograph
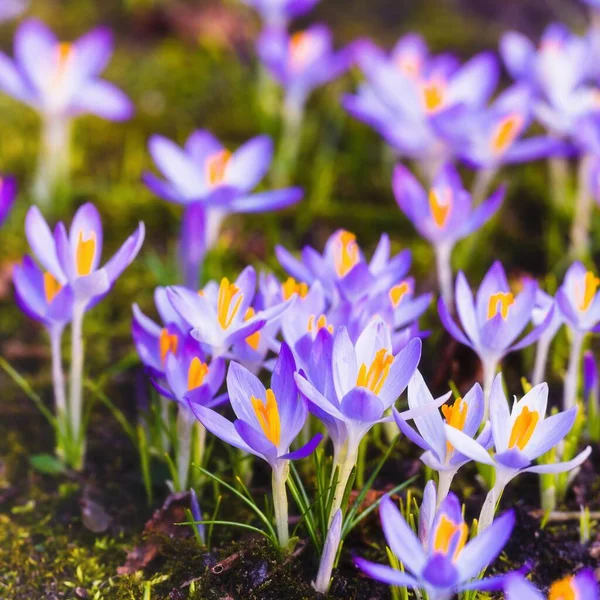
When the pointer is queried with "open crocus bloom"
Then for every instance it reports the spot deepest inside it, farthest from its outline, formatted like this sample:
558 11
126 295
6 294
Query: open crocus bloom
579 298
61 79
8 194
582 586
268 420
443 563
218 315
10 9
73 258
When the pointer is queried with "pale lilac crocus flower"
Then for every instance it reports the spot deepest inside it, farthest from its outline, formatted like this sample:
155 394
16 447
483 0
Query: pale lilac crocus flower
582 586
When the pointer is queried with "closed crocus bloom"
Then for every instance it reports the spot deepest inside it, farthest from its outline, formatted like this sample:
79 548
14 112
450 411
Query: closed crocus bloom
573 587
268 421
465 414
579 301
493 320
8 194
442 563
521 435
444 215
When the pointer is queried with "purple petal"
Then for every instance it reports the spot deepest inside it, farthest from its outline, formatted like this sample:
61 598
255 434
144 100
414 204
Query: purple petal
92 52
256 440
517 587
35 51
550 432
410 433
241 386
102 99
561 467
87 225
361 404
250 163
386 574
517 52
467 446
451 327
403 368
266 201
305 450
125 254
42 243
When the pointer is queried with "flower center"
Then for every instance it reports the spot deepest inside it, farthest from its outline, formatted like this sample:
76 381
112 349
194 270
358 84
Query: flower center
84 255
456 416
64 53
450 535
409 64
253 340
216 165
267 414
374 378
500 302
398 292
506 132
167 342
347 253
440 205
291 287
564 589
196 373
523 428
433 95
225 311
301 49
51 287
590 285
315 325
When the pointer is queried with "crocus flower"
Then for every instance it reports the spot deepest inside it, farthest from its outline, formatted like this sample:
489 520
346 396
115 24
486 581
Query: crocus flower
268 421
465 414
212 182
579 301
367 381
8 194
10 9
443 216
222 315
330 550
492 321
520 435
583 585
445 563
61 81
277 13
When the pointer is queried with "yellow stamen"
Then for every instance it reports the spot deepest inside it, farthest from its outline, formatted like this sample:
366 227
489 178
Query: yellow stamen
196 373
347 253
216 165
374 378
64 52
445 533
590 285
316 326
225 312
267 414
85 253
506 132
301 47
398 292
564 589
291 287
252 340
51 287
523 428
500 301
456 416
433 95
167 342
440 207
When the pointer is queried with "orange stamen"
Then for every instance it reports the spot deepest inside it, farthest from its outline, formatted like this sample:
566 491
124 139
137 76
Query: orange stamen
167 342
446 531
564 589
347 253
51 287
225 312
398 292
590 285
506 132
216 165
440 207
291 287
252 340
523 428
85 253
500 301
196 373
301 48
433 95
315 326
267 414
456 416
374 378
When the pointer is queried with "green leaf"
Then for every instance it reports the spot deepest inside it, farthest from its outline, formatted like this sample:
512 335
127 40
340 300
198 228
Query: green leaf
47 464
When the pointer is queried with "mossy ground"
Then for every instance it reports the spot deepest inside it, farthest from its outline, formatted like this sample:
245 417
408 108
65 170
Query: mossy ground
189 65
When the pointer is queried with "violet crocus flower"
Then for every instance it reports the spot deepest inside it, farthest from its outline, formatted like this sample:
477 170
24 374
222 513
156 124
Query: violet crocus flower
465 414
443 216
212 182
73 259
220 316
579 301
60 81
268 421
367 381
582 585
492 322
444 563
8 194
521 436
276 14
11 9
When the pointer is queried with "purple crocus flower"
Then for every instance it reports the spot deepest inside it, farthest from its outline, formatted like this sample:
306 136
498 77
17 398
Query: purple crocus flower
301 62
521 436
212 182
579 301
277 13
268 422
583 585
492 321
8 194
443 216
222 315
444 564
465 414
10 9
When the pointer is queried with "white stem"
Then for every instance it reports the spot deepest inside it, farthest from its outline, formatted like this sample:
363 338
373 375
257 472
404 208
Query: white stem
349 462
58 377
482 184
583 209
76 397
184 446
488 510
489 372
54 157
280 502
444 274
444 483
200 432
330 551
572 378
541 359
559 179
293 115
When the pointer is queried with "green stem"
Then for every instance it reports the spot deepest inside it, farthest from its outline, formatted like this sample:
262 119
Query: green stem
280 502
